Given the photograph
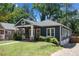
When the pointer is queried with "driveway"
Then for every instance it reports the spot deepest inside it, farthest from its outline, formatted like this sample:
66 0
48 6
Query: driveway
68 50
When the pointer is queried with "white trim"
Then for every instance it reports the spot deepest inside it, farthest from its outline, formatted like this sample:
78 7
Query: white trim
4 34
19 21
24 26
54 31
50 32
32 33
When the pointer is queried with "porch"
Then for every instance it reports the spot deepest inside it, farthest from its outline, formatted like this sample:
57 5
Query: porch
6 34
2 34
29 32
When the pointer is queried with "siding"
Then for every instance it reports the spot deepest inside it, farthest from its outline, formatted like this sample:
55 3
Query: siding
57 31
63 38
43 31
26 23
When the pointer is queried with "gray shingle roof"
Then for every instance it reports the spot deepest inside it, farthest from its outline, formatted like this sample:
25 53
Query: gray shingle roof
32 22
49 23
44 23
8 26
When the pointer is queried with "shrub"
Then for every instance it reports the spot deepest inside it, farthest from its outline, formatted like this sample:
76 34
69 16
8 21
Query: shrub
54 40
17 36
47 39
42 38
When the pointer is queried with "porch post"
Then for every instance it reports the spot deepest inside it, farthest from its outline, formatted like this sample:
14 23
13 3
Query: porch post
60 36
4 35
32 33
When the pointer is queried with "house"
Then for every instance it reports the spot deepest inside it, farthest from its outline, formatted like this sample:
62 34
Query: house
31 30
6 31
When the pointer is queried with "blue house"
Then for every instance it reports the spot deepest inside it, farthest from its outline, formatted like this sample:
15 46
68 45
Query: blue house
31 30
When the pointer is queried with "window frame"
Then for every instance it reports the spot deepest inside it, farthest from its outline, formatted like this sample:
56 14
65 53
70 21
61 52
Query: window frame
50 30
64 33
1 32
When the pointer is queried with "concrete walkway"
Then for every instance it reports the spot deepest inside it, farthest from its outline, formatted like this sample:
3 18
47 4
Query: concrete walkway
9 43
68 50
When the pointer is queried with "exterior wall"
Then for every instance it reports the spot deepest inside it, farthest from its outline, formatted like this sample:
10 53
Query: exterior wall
26 33
37 32
57 31
2 36
43 31
65 35
9 34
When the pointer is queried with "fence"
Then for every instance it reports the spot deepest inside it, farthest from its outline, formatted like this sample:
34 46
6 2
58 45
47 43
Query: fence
74 39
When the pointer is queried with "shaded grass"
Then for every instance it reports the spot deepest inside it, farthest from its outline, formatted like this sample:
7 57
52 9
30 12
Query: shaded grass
6 41
28 49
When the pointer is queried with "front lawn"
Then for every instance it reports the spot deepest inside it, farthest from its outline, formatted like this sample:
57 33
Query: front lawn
6 41
28 49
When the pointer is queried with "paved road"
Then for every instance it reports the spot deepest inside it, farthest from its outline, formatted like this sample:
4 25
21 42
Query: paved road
68 50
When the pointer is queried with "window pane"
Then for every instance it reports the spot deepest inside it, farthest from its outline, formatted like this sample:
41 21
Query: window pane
52 32
48 32
64 33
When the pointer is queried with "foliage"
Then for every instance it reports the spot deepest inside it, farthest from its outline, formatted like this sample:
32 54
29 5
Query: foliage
63 13
49 39
49 10
41 38
54 40
17 36
10 13
68 17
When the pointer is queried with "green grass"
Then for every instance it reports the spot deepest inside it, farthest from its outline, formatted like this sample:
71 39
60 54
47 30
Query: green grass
7 41
28 49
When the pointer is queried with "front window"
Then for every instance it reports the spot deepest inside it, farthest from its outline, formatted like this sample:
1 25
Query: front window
50 31
1 32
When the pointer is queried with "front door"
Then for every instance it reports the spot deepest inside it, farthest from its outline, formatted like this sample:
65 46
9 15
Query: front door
37 33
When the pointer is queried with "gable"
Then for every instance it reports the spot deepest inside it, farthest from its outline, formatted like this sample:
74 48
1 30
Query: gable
22 22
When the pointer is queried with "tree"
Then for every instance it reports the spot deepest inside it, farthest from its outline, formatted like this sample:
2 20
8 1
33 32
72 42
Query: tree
10 13
70 19
52 11
63 13
29 10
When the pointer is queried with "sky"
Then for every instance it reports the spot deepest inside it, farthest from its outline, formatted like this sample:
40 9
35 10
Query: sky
29 6
76 5
36 13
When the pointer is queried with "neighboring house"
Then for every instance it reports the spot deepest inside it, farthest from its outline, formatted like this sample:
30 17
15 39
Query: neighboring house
6 31
31 30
